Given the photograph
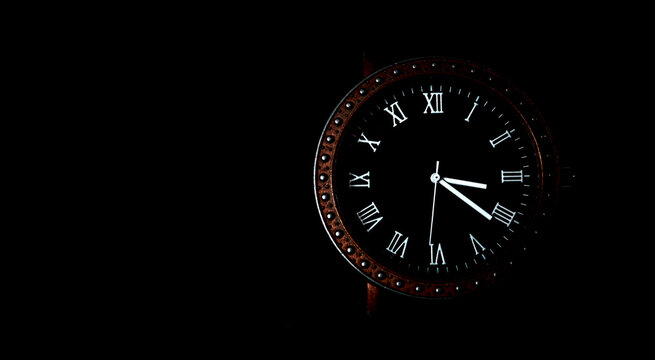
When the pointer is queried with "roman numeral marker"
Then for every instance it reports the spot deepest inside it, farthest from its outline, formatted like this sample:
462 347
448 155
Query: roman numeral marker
435 102
476 244
395 245
360 180
434 257
373 144
367 216
503 214
471 113
504 136
511 176
396 113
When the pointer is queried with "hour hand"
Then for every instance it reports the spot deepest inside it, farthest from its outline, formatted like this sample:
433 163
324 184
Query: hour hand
462 197
465 183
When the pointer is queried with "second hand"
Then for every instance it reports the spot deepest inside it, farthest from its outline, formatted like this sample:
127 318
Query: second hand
435 179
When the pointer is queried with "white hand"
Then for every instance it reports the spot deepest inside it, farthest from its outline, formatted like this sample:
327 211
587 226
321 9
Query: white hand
435 179
470 203
465 183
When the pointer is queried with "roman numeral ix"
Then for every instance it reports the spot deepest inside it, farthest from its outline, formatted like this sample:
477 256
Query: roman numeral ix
360 180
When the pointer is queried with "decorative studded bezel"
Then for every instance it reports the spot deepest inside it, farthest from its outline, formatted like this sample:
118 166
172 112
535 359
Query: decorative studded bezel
330 213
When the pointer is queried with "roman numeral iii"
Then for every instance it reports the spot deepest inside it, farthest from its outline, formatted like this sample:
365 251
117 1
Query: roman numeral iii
511 176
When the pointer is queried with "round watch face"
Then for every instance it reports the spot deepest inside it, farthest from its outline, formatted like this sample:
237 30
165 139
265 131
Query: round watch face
433 175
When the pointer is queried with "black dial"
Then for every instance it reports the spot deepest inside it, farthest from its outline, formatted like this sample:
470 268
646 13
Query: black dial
433 174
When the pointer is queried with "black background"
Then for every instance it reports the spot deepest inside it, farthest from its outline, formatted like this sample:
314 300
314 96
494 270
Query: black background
207 122
286 277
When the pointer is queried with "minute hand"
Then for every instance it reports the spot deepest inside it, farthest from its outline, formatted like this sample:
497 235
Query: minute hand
465 183
470 203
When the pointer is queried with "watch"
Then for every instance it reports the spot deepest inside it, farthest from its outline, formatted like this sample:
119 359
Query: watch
433 176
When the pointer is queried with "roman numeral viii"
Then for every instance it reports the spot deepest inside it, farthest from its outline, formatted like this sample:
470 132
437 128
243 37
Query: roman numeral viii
369 216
